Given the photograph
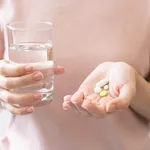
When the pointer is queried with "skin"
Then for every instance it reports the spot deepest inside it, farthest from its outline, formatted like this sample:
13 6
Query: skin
14 75
126 88
84 101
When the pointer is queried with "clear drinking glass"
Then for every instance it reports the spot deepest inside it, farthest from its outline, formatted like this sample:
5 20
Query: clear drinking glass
33 44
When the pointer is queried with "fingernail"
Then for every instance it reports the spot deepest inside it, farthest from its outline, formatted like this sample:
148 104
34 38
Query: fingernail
65 106
28 68
38 96
37 76
31 109
58 66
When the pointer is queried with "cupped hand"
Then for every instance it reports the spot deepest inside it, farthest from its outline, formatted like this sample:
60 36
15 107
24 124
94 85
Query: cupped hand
121 80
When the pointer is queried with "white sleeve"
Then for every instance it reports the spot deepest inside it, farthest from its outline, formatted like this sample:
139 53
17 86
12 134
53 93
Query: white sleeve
5 121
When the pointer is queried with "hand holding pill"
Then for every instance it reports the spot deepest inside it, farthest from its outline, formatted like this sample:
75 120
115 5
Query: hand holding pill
110 87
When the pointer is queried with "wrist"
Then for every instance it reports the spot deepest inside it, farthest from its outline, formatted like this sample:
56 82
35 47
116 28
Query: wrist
141 102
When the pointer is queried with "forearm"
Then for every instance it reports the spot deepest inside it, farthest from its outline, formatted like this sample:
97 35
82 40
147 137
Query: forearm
141 102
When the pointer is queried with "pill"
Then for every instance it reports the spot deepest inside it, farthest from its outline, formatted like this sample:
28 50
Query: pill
106 87
103 93
97 90
102 83
13 47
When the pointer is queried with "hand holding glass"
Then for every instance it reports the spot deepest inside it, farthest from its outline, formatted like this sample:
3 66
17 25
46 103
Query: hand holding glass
33 45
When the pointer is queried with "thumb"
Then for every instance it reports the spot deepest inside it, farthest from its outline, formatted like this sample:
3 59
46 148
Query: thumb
127 93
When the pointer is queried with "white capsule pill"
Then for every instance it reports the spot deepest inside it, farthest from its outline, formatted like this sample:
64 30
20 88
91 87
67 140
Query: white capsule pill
97 90
102 83
106 87
13 47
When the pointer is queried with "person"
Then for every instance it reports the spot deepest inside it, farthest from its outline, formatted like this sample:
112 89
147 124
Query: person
97 39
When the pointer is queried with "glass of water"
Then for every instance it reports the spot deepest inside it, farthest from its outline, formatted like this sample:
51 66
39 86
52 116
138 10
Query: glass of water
33 44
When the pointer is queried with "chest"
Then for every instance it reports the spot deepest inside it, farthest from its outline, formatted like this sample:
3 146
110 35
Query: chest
91 32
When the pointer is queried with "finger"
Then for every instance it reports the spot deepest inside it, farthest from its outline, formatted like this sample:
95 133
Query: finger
102 82
40 66
105 100
44 66
21 99
113 91
95 98
16 82
8 69
90 103
11 69
77 99
67 104
127 93
18 111
94 109
59 70
101 70
86 89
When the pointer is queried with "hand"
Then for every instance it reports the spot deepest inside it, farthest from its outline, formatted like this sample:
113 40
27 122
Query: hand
122 89
13 76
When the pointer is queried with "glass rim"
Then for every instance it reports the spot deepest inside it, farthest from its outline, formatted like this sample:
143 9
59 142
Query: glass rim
12 27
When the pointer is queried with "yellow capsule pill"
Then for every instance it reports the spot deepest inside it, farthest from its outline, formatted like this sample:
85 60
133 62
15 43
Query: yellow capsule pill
103 93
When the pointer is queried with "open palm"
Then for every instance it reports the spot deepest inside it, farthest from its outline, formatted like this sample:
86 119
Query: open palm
122 88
